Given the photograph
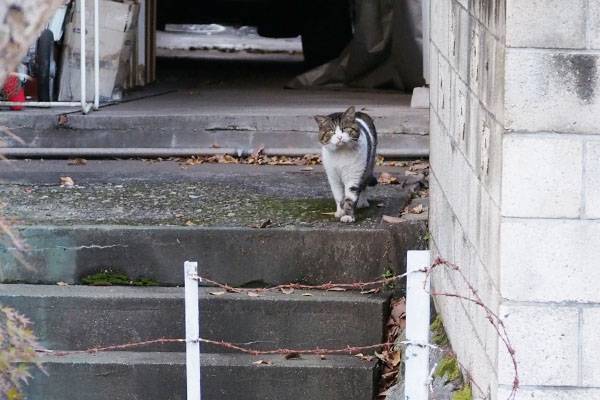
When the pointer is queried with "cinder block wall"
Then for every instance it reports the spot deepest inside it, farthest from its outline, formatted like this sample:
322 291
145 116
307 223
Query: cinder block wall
550 227
467 124
515 187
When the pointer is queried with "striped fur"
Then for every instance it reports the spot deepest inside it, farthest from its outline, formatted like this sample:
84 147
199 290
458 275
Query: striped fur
349 142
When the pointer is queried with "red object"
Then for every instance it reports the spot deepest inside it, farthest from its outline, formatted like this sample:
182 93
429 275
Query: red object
14 91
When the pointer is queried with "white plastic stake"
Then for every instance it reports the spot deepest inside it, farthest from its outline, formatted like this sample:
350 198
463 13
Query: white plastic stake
417 326
96 58
82 56
192 331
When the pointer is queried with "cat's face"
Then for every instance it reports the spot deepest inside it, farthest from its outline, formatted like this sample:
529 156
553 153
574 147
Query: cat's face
338 129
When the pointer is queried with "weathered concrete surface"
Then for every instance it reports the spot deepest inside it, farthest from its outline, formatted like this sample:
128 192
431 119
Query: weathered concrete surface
76 231
83 317
161 376
229 117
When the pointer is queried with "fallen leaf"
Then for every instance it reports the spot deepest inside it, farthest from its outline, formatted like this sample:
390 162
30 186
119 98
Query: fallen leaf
66 181
306 294
336 289
387 179
189 223
62 283
219 293
257 150
417 210
293 356
215 146
62 119
395 360
322 357
77 161
263 225
375 290
364 357
307 169
287 291
392 220
380 205
254 294
263 362
328 213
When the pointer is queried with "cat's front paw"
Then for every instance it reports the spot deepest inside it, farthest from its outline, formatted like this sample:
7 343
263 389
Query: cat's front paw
339 213
347 218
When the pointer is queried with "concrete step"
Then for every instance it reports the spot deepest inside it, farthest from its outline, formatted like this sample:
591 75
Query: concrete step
229 117
83 317
147 219
161 376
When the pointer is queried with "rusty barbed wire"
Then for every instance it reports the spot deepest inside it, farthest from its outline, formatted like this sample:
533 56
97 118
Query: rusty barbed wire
492 318
326 286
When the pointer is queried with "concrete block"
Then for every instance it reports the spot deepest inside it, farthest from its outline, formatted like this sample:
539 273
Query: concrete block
594 24
474 138
552 91
475 56
460 112
541 176
526 393
545 23
591 180
546 343
434 73
444 92
550 260
590 345
463 43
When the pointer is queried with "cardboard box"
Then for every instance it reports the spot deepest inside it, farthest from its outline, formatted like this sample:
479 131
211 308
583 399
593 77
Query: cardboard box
115 21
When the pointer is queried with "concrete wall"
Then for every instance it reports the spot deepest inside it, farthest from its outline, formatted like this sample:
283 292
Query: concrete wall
467 124
515 187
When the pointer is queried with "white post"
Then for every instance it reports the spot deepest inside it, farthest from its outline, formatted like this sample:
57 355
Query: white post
417 326
96 58
83 55
192 331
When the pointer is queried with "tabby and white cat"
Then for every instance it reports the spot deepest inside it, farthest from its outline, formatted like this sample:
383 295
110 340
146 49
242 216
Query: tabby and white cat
349 142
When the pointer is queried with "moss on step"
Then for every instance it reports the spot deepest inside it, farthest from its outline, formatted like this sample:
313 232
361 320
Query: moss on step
438 334
448 367
109 278
463 394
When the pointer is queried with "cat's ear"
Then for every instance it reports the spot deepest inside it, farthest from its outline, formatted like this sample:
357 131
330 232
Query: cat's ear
321 120
349 113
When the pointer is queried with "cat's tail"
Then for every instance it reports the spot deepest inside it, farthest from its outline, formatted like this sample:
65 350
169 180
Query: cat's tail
371 181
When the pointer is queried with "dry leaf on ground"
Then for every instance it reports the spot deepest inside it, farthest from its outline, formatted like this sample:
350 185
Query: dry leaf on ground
336 289
306 294
328 213
62 283
219 293
263 362
307 169
293 356
66 181
392 220
254 294
417 210
77 161
287 291
386 178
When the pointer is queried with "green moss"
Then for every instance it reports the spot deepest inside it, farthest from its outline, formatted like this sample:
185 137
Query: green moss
110 278
388 274
463 394
438 334
448 367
